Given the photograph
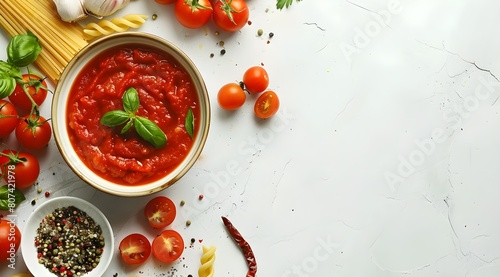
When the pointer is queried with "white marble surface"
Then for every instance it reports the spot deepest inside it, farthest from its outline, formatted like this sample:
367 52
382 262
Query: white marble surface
383 159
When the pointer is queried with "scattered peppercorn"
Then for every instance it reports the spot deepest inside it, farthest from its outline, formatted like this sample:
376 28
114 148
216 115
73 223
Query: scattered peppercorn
211 55
183 202
260 32
221 43
47 194
249 22
154 16
39 189
33 202
271 34
188 222
223 51
200 196
216 33
192 240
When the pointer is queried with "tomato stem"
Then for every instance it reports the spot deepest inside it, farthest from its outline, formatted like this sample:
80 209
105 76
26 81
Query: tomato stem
37 85
13 158
226 7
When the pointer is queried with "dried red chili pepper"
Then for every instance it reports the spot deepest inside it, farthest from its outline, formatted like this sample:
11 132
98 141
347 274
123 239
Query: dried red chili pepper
244 246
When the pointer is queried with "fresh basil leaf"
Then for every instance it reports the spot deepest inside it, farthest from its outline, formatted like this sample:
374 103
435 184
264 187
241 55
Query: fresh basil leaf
7 85
131 100
7 193
23 49
114 118
127 126
10 69
149 131
189 123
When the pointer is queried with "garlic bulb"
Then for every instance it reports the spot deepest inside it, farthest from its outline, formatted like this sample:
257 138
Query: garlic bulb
104 7
70 10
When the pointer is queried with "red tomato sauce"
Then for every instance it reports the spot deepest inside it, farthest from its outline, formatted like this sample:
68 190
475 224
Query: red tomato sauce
166 93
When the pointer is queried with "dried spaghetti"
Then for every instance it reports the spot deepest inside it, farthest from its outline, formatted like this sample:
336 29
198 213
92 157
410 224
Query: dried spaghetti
60 40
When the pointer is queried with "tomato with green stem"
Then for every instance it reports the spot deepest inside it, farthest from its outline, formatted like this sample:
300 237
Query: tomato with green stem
135 249
10 239
22 165
267 104
8 118
193 14
33 131
160 212
168 246
30 92
256 79
230 15
231 96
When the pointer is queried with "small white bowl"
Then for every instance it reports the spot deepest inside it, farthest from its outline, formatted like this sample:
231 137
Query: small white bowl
28 248
60 103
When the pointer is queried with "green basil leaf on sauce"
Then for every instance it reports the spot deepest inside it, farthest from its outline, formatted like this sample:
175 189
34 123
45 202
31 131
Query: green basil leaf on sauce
114 118
149 131
189 123
131 100
127 126
10 197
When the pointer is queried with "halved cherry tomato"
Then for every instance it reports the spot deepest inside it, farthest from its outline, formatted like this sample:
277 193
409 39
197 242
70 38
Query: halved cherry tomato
36 87
8 118
33 132
168 246
231 96
193 14
164 2
135 249
256 79
267 104
23 167
160 212
230 15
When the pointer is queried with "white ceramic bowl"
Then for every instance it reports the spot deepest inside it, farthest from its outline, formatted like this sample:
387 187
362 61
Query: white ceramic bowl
28 248
59 114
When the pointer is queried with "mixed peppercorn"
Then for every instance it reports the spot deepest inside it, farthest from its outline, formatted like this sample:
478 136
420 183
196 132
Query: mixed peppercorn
69 242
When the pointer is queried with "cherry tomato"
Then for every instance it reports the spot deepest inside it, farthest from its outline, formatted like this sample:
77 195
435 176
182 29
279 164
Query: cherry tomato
36 87
165 2
23 167
135 249
8 118
231 96
10 239
33 132
256 79
193 14
160 212
168 246
267 104
230 15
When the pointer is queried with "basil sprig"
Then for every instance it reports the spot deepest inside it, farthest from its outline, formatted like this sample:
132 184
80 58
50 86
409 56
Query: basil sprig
146 128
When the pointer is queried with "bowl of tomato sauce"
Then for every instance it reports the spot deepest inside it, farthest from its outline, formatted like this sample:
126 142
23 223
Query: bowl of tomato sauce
130 114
